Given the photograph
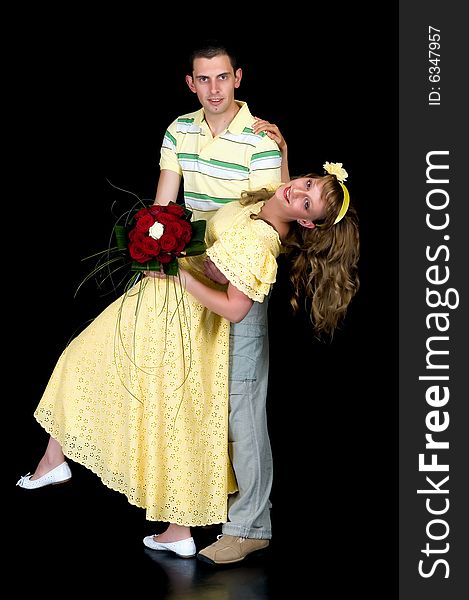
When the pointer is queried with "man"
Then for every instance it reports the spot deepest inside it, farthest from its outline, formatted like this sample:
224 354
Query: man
219 151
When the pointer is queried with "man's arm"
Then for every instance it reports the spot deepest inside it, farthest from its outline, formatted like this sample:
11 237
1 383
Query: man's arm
265 164
168 187
274 134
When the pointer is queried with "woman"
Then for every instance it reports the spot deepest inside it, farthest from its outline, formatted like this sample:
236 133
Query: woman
158 431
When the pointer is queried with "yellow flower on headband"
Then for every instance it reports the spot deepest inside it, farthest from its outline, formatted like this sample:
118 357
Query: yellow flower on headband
337 170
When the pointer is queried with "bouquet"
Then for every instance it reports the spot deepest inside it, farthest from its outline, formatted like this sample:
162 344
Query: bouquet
160 236
148 238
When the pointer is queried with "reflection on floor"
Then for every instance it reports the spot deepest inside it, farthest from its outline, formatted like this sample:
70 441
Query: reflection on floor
86 537
193 579
81 536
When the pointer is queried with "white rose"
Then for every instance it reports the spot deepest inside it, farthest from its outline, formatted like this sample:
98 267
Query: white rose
156 230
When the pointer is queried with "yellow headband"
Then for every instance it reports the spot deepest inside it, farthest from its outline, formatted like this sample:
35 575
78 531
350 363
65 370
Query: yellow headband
341 175
345 203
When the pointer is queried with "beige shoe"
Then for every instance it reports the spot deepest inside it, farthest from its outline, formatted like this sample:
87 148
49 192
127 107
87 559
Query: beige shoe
230 549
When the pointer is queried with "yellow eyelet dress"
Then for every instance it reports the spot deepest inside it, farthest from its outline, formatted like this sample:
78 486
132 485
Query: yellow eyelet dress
140 397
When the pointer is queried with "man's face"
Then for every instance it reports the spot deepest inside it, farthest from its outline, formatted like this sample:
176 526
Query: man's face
214 82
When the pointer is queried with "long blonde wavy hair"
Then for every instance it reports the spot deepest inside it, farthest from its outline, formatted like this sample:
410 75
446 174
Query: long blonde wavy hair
323 260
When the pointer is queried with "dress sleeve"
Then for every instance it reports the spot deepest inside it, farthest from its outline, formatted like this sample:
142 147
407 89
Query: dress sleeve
247 258
168 153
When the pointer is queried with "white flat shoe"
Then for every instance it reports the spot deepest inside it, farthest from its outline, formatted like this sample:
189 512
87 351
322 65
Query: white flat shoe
60 474
183 548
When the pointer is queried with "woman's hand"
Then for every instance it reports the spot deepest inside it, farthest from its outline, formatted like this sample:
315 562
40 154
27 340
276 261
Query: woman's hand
183 276
155 274
272 131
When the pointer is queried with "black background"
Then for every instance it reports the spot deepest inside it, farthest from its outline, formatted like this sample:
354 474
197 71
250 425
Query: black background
90 102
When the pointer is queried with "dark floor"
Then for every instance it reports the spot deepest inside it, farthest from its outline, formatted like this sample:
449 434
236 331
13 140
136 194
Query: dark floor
84 537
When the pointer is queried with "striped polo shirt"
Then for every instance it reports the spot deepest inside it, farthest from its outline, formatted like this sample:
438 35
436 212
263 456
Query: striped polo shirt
216 170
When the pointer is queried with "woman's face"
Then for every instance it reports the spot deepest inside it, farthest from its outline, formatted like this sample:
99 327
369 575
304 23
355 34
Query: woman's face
300 200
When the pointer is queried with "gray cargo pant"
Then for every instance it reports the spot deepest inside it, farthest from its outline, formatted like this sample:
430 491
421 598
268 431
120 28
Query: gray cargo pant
249 444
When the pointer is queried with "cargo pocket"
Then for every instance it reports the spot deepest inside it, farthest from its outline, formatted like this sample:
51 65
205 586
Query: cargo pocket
247 344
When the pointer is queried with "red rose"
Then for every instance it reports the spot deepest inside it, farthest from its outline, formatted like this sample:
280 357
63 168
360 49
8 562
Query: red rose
175 209
136 236
156 209
150 246
186 232
175 228
180 247
166 218
142 212
145 222
167 242
138 254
